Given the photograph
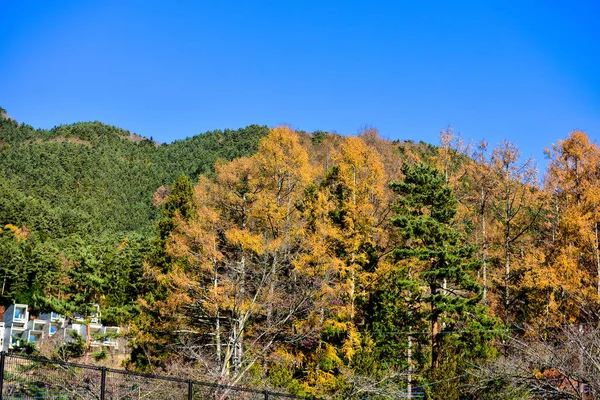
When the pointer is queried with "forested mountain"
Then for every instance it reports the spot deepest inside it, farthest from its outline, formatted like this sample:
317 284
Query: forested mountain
98 177
77 193
332 266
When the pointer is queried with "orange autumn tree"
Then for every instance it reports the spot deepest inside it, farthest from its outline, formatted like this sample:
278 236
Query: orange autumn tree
451 158
573 181
515 209
267 274
241 292
480 186
341 237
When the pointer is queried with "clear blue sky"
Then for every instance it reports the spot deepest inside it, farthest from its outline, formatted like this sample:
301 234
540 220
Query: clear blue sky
523 71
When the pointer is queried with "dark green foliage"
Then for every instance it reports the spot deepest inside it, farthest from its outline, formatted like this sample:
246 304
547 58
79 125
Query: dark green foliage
197 155
100 355
181 199
179 202
26 268
424 213
444 269
74 348
25 347
317 137
90 177
392 315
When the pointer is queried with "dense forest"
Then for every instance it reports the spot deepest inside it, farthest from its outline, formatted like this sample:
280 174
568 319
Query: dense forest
324 265
78 208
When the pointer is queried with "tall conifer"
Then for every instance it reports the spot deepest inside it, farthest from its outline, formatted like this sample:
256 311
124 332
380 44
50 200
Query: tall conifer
443 263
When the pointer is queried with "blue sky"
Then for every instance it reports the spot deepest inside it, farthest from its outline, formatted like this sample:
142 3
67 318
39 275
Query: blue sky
522 71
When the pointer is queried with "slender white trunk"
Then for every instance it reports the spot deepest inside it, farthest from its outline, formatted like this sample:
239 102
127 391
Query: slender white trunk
239 327
445 286
409 361
217 317
238 349
352 288
271 290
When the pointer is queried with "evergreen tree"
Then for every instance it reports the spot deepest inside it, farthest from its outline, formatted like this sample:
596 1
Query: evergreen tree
442 263
395 322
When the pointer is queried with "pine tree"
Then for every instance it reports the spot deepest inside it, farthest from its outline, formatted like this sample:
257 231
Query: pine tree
442 262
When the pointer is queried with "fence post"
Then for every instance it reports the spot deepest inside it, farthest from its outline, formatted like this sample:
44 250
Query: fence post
103 383
266 394
190 389
2 361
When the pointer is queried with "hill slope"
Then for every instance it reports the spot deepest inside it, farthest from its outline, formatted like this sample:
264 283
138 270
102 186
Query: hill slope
89 177
76 207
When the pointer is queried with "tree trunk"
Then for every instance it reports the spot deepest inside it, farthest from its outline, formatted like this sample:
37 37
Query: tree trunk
435 332
409 362
271 290
238 349
435 342
507 221
217 319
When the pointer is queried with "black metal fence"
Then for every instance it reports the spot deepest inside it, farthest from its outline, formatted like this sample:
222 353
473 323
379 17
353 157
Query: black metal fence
24 377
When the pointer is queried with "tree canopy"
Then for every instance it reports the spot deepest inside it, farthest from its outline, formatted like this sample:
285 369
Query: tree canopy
342 267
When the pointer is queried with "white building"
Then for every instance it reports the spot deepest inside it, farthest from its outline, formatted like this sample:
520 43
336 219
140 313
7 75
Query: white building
15 319
35 331
56 322
110 339
17 326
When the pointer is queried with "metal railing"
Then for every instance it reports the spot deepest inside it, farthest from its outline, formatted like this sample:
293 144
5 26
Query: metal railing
24 377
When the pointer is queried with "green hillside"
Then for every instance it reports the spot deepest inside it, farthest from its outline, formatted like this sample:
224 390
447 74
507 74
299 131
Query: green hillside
71 196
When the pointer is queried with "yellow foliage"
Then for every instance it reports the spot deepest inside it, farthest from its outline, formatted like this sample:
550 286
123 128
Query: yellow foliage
330 357
351 344
361 169
243 237
327 381
21 233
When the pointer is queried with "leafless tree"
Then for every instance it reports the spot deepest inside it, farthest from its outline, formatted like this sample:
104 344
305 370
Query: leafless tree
556 363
